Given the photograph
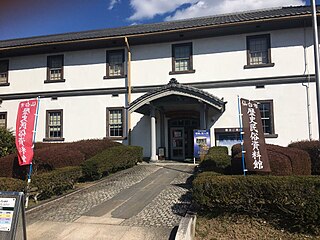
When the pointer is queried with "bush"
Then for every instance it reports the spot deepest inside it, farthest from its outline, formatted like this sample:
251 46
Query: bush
216 160
111 160
283 160
295 201
13 185
55 182
7 142
313 149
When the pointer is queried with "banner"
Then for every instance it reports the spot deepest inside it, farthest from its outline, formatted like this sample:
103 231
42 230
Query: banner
25 130
256 157
201 140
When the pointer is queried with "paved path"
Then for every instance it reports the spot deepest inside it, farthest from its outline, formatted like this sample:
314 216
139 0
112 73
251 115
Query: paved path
144 202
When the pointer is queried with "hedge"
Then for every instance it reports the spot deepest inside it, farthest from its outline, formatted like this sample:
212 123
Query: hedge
217 159
50 156
292 201
13 185
313 149
111 160
283 161
55 182
7 142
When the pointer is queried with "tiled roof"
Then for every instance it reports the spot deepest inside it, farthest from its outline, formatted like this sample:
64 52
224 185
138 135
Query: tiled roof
240 17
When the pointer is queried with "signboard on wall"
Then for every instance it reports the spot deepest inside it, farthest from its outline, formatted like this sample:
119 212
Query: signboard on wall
256 157
12 216
202 143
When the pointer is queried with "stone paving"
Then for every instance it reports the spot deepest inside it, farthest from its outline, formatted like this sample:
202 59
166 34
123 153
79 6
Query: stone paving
165 210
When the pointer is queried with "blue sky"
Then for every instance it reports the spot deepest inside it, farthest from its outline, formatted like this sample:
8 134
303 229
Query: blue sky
26 18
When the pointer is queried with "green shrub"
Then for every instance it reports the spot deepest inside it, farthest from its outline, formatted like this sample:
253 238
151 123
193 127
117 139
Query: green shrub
55 182
11 184
216 160
295 201
111 160
284 161
7 142
313 149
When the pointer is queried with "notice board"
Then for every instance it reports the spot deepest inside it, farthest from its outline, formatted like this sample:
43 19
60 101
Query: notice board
12 216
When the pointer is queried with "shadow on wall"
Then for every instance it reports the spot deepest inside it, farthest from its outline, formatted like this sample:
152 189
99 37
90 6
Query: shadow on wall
140 135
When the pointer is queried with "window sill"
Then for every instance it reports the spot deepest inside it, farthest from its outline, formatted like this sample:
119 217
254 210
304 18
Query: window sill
4 84
53 139
182 72
116 138
270 135
258 65
54 81
114 77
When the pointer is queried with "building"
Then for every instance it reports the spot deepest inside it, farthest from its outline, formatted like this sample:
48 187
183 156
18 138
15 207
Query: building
152 85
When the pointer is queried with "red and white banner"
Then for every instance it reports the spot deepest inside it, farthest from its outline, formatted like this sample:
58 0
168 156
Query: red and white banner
24 130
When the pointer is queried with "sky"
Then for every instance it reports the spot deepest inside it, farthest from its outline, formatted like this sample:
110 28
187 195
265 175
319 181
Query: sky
27 18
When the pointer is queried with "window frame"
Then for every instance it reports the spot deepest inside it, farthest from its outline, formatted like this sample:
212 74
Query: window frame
48 138
272 134
269 63
6 61
5 118
122 70
49 80
124 119
173 59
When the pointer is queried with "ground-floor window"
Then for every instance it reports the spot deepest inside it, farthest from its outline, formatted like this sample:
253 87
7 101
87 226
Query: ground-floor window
3 120
116 123
54 125
266 111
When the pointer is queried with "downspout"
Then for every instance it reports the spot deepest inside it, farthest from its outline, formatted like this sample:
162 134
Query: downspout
129 87
306 72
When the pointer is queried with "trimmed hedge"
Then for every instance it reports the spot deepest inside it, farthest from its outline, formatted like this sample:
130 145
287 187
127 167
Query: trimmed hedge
313 149
111 160
55 182
7 142
11 184
217 159
293 201
283 161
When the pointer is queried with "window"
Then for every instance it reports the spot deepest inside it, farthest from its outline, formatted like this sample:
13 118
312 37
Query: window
259 51
116 123
54 129
4 69
3 120
55 68
115 63
266 111
182 58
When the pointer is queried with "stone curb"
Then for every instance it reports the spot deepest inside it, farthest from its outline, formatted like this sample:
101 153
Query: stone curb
187 227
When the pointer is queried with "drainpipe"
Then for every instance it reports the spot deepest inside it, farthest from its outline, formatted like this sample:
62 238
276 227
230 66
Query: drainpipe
307 86
129 87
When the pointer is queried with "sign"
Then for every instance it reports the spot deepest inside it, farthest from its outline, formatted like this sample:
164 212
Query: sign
25 130
256 157
201 142
12 216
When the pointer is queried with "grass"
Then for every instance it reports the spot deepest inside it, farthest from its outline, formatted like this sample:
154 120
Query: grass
240 227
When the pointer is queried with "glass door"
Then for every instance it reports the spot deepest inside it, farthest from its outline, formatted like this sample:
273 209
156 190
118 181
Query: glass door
177 143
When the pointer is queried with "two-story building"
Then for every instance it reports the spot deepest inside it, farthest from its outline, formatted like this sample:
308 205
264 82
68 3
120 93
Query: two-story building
152 85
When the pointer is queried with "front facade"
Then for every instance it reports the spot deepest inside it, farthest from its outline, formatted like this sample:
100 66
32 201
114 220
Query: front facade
152 85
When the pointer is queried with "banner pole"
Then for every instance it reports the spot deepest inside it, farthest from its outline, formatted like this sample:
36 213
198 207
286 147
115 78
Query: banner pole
33 142
241 137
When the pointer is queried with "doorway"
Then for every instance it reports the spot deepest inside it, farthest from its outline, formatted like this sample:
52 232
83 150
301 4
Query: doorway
181 137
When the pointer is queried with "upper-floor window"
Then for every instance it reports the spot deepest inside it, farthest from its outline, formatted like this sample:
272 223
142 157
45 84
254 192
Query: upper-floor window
115 63
3 120
182 58
4 69
115 123
55 68
54 126
259 51
266 111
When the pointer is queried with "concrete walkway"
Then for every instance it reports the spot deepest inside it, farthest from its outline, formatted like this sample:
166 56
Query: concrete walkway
144 202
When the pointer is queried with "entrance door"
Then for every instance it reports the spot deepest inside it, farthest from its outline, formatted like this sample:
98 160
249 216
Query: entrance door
177 143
